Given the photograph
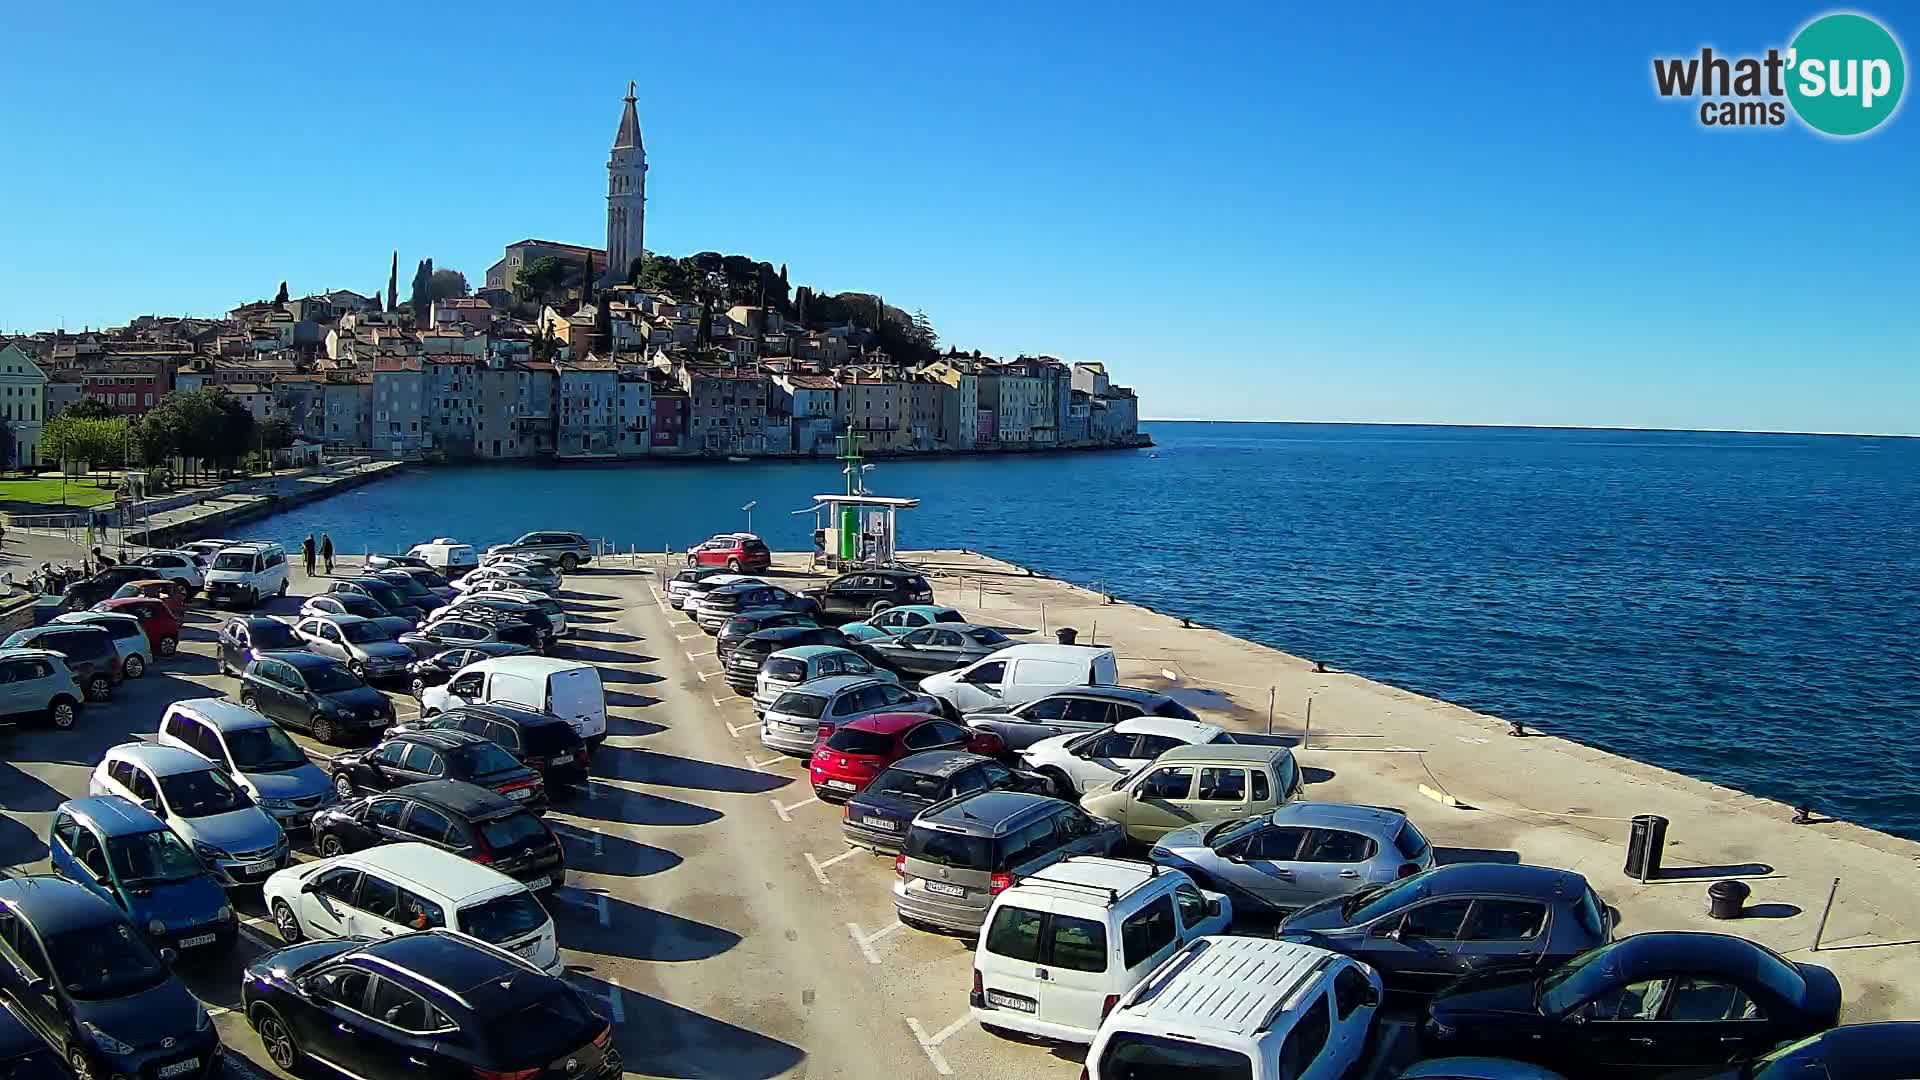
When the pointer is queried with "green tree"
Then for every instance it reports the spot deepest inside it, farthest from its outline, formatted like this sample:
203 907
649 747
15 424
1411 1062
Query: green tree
280 298
89 408
665 274
422 296
276 433
540 280
446 283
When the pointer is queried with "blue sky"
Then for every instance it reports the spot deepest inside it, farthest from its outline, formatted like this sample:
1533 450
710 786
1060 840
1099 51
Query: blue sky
1459 213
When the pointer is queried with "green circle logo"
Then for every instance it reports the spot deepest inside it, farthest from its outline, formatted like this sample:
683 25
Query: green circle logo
1845 74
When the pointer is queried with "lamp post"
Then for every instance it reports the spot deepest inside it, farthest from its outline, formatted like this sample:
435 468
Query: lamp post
749 512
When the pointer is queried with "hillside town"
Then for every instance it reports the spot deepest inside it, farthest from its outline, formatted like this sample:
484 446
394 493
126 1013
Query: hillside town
573 353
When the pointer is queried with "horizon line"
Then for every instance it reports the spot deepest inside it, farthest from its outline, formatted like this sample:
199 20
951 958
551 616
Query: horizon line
1536 427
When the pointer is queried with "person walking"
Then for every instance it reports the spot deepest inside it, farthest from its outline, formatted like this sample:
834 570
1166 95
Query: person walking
326 552
306 552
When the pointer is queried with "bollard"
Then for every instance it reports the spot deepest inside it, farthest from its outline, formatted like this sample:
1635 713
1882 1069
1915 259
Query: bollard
1308 732
1820 931
1043 618
1271 694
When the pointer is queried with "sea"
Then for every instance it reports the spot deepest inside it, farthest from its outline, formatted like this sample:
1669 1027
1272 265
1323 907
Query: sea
1743 608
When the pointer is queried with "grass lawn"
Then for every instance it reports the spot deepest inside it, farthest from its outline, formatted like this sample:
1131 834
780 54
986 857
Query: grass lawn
41 495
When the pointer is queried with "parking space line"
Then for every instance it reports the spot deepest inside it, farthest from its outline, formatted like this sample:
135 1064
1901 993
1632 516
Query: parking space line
247 931
705 675
786 812
578 898
864 942
688 637
575 832
735 729
820 865
931 1044
721 703
761 766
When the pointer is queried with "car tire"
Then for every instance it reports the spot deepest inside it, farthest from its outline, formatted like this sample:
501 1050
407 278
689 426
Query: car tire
249 701
81 1065
878 607
733 566
692 562
331 845
322 728
358 669
287 923
417 687
63 712
169 645
569 563
134 667
99 688
343 786
1062 785
277 1038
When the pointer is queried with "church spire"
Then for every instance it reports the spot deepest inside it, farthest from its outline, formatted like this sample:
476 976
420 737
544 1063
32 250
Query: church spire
629 134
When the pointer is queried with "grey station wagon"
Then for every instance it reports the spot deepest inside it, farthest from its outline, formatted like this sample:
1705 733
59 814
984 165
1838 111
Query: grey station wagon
1298 854
962 853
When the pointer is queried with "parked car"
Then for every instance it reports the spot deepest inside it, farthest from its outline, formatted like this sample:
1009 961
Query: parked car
545 564
1077 711
413 590
128 857
178 566
1889 1050
129 637
1063 945
244 638
38 684
314 694
1242 1007
1428 929
734 551
205 549
445 554
383 592
1197 784
1083 763
435 669
103 998
568 689
157 620
1659 1000
876 817
856 752
1020 673
554 610
684 580
722 604
226 829
413 757
1297 854
82 595
452 631
739 626
366 647
382 561
790 665
1478 1068
171 593
541 741
569 549
256 754
747 657
860 593
319 1000
513 576
89 651
961 854
470 821
359 605
799 720
424 576
697 592
929 650
486 606
246 574
899 620
24 1054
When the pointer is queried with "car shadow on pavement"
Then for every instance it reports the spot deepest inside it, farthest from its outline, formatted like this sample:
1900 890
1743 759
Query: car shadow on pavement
620 699
620 725
1448 856
575 605
587 620
672 770
669 1041
637 678
593 654
18 844
632 931
604 635
615 856
571 595
604 802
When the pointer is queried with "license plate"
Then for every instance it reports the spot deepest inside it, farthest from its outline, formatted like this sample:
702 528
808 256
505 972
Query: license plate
520 793
262 867
880 823
840 785
945 889
560 759
796 728
197 939
179 1068
1009 1001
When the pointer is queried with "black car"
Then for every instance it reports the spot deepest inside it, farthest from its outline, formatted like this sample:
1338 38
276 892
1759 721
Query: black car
746 657
462 629
346 603
417 591
469 821
541 741
246 637
82 595
929 650
1882 1051
860 593
412 757
313 694
1649 1002
89 650
752 622
436 669
877 817
74 968
499 607
435 1005
725 602
389 595
423 576
24 1055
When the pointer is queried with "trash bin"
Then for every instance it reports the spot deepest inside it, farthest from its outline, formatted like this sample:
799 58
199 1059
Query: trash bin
1727 899
1066 634
1644 844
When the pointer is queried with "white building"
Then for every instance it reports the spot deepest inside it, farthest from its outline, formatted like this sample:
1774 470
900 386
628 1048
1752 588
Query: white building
23 406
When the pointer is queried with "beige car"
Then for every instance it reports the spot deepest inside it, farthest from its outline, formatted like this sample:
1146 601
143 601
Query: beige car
1189 785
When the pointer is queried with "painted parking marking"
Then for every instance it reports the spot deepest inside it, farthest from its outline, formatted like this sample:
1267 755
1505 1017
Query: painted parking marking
688 637
931 1043
263 941
761 766
864 941
735 729
579 898
786 812
577 834
721 703
820 865
705 675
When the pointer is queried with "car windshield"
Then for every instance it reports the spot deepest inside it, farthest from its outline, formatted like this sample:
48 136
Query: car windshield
272 634
1130 1056
1367 905
513 831
365 633
105 960
406 583
234 560
264 749
555 1025
204 792
151 858
330 679
805 706
1229 831
488 758
1564 989
849 741
385 593
503 918
908 785
950 849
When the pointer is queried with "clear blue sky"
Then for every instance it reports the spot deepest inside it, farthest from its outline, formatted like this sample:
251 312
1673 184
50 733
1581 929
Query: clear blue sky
1454 213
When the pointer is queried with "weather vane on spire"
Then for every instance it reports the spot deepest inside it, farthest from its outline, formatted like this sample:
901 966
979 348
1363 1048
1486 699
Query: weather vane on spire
630 90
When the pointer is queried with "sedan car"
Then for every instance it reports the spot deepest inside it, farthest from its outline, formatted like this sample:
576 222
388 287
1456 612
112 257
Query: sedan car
171 593
932 649
359 605
1646 1003
1079 763
877 816
454 816
1080 709
367 648
244 638
379 561
422 576
856 752
697 592
899 620
1297 854
1882 1051
157 620
514 576
314 694
437 668
452 631
488 606
737 628
801 719
1435 926
860 593
413 757
386 593
82 595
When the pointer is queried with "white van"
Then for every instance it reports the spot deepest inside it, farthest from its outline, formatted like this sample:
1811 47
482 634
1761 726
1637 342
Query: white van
1248 1007
1063 945
447 555
247 573
568 689
1022 673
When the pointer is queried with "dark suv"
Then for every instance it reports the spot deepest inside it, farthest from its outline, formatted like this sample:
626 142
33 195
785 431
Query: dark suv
412 757
82 595
962 853
90 652
878 816
543 742
727 601
469 821
752 622
860 593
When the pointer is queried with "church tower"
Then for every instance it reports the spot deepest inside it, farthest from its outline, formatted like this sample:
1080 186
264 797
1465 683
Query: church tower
626 195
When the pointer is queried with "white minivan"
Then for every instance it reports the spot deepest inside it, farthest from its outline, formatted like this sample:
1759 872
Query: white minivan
447 555
1022 673
1062 946
247 573
568 689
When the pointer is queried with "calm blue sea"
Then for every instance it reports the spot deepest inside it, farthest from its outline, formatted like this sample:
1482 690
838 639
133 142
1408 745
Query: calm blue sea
1742 608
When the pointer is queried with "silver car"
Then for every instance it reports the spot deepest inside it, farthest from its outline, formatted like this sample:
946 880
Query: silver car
1297 854
366 646
567 549
814 710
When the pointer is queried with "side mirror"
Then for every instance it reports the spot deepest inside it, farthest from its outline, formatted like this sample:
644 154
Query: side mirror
1371 999
40 986
169 955
1213 907
153 807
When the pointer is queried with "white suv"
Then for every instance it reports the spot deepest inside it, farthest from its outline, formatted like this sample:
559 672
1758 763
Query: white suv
1080 762
1062 946
1259 1008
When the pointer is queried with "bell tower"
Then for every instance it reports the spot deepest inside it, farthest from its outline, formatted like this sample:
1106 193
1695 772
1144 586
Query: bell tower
626 195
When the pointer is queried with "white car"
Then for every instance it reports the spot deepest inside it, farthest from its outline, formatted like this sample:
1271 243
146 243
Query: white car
699 589
568 689
447 555
181 566
396 889
1078 763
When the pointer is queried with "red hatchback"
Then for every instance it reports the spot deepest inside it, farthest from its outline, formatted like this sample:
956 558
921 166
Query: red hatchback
156 618
859 751
738 552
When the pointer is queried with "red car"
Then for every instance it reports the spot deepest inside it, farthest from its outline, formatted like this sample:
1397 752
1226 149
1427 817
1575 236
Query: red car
738 552
857 752
156 618
172 592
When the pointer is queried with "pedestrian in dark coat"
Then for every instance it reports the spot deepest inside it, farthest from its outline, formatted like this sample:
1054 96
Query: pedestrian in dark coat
326 551
306 552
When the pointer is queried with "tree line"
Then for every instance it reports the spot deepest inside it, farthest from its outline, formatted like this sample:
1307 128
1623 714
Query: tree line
208 426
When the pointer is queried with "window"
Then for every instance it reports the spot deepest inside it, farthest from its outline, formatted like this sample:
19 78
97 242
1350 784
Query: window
142 788
1439 920
1091 712
429 824
1193 906
338 883
1350 989
1080 944
1147 931
1635 1001
386 812
1152 746
1307 1039
121 772
343 986
1028 843
1173 782
1411 844
420 913
379 898
992 673
422 759
1338 846
1261 792
392 753
1506 920
1149 1057
1276 845
1223 785
1698 1000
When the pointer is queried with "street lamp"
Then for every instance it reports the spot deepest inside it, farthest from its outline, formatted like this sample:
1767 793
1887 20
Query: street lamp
749 512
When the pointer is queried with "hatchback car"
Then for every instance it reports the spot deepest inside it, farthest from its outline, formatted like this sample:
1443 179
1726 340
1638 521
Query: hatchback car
324 605
181 566
457 1005
791 665
129 857
456 630
89 653
697 592
255 753
734 551
1889 1050
492 609
724 603
129 637
961 854
366 647
1298 854
436 668
453 815
683 581
541 741
171 593
744 660
898 620
226 829
82 595
739 626
877 816
1435 926
37 684
157 620
869 592
1082 763
800 719
1648 1002
569 549
928 650
1076 711
107 1002
243 639
554 610
856 752
384 592
412 757
314 694
422 576
508 576
414 589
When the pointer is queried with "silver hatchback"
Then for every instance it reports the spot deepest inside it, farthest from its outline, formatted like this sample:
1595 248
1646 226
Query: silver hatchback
1297 854
812 711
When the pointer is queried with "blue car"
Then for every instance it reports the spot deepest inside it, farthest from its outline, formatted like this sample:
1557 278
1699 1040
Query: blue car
123 853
